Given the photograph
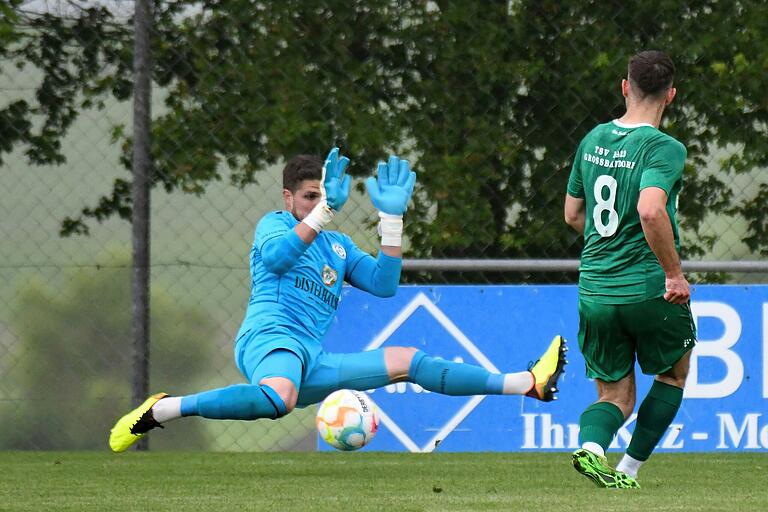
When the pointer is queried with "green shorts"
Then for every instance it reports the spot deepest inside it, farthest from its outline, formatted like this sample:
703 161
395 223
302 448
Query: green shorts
610 335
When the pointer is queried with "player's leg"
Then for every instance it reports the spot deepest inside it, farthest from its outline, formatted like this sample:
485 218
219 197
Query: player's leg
271 394
655 415
671 339
451 378
601 420
377 368
374 369
597 426
461 379
329 372
609 356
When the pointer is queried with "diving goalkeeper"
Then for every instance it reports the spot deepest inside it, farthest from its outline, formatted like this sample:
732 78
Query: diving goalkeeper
297 271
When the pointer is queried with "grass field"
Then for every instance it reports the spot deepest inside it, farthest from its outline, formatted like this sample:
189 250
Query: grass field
158 481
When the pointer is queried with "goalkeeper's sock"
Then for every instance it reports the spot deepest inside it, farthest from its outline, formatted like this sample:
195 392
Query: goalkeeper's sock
654 416
167 409
236 402
597 425
461 379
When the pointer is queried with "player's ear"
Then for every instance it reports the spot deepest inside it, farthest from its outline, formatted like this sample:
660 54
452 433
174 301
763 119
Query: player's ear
288 199
671 92
625 87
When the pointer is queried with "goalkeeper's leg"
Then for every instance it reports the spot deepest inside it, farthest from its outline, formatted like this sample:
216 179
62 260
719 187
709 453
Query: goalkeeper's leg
458 379
377 368
271 395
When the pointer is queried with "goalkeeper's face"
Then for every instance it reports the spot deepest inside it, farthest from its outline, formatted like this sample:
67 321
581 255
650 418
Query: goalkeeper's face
301 201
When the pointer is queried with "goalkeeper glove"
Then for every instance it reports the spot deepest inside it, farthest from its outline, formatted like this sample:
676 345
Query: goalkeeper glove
390 192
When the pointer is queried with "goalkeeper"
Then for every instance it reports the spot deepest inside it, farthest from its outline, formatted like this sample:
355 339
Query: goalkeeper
297 271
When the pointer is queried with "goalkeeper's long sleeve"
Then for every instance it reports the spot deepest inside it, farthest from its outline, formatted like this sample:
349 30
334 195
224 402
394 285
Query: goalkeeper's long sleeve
281 253
379 276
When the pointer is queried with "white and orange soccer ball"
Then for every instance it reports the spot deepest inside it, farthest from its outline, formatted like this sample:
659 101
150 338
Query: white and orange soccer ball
347 420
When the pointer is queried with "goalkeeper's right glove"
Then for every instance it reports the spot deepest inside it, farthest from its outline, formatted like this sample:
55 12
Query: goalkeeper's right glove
334 181
334 191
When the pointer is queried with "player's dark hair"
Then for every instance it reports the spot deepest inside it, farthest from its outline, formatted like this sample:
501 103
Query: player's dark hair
651 72
300 168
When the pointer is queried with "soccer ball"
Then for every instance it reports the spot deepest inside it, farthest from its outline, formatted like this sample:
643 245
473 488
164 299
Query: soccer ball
347 420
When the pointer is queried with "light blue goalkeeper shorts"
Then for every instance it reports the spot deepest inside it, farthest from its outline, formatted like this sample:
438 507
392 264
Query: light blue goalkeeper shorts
315 373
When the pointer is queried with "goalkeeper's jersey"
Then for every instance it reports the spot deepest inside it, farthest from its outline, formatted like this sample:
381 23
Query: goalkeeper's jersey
614 162
301 303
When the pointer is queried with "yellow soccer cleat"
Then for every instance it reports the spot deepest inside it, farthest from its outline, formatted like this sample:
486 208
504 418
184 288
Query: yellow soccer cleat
547 370
132 427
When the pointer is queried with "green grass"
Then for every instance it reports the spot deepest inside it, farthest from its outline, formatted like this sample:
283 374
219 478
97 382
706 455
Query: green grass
365 481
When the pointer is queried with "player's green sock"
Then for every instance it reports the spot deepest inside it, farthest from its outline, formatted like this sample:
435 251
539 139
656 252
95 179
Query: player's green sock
653 418
599 423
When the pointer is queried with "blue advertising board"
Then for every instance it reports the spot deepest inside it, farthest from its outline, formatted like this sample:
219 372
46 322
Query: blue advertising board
503 328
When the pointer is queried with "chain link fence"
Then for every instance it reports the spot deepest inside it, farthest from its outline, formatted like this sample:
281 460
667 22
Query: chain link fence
65 333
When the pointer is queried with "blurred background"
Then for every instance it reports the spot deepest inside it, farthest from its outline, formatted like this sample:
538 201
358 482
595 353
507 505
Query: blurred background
487 99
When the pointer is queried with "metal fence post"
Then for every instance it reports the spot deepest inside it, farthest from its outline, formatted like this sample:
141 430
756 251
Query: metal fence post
142 162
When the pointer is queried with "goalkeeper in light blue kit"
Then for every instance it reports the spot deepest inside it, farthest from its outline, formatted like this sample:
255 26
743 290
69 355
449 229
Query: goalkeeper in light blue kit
297 272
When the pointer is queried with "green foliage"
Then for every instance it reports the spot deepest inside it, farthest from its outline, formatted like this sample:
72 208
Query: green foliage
79 337
81 59
489 99
9 20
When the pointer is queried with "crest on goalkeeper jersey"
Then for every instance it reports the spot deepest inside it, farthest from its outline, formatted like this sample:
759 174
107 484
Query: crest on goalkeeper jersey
329 276
339 249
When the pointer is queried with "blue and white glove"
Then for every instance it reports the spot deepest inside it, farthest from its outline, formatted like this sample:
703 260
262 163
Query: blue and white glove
335 182
390 192
334 191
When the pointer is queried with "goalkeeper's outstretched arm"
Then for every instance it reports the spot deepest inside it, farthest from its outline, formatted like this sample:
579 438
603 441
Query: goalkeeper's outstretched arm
379 276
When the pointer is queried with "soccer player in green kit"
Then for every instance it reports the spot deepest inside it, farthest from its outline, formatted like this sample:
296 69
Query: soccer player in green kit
634 300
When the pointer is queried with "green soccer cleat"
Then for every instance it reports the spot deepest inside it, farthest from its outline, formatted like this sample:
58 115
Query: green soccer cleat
547 369
596 468
132 427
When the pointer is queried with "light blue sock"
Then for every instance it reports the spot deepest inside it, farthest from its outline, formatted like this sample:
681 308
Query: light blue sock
236 402
456 379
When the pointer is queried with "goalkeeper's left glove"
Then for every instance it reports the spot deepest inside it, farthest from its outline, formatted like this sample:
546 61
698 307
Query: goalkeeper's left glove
390 192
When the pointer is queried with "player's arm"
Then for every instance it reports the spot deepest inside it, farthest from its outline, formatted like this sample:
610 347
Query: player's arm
390 192
575 213
379 276
664 166
575 207
305 233
334 192
281 252
657 227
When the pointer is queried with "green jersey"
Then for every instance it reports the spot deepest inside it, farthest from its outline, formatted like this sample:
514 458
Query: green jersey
614 162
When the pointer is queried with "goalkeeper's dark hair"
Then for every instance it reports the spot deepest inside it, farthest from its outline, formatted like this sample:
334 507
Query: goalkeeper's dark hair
651 73
300 168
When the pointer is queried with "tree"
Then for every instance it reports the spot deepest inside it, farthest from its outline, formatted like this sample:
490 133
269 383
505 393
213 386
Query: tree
489 98
81 59
70 379
503 99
